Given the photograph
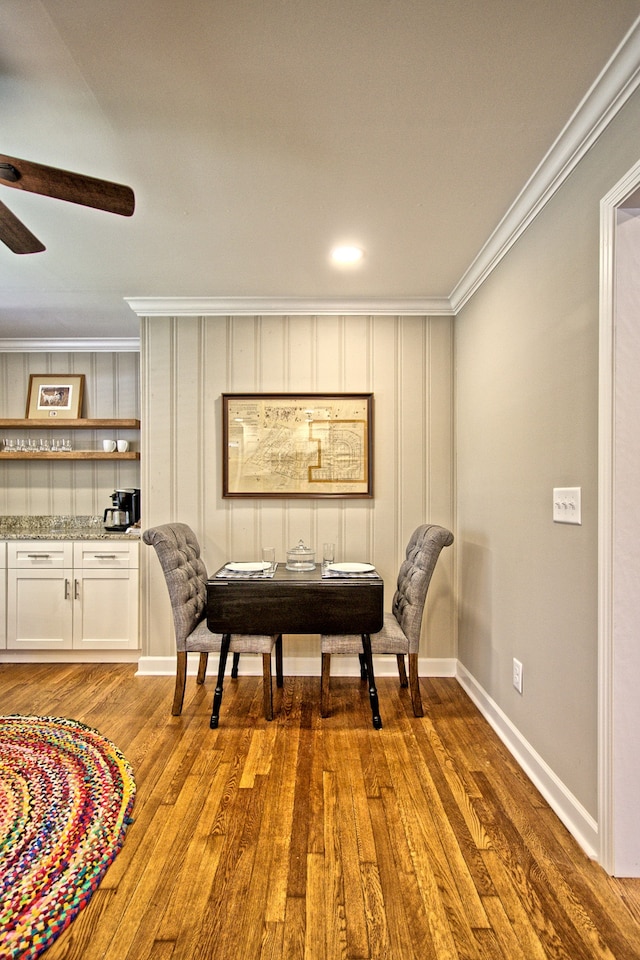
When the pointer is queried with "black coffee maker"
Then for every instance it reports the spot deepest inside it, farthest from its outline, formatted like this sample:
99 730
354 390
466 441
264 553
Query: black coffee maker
124 511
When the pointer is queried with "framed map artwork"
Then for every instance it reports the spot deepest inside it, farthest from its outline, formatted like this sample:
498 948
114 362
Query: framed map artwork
297 445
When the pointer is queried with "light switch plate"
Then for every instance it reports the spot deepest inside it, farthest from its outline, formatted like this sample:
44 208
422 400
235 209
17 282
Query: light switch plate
567 505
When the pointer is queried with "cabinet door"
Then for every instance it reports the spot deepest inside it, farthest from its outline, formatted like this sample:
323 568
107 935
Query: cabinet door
105 609
3 595
39 609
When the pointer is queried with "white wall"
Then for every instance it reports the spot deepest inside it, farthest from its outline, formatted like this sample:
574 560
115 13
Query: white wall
526 421
70 488
406 362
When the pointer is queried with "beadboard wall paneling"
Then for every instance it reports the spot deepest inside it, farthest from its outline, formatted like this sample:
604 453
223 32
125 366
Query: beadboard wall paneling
112 389
406 362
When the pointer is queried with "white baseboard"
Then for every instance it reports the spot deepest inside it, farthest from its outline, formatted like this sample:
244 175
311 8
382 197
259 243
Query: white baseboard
70 656
570 811
341 666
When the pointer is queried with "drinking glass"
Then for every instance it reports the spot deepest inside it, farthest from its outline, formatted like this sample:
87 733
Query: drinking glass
269 556
328 553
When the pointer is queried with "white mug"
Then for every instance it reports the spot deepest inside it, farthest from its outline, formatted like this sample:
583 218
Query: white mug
123 446
108 446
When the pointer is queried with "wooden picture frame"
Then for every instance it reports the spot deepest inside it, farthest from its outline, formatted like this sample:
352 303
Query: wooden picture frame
55 396
297 445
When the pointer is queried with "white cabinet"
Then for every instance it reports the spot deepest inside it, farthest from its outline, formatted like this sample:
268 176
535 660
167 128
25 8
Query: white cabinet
39 607
105 595
64 595
3 594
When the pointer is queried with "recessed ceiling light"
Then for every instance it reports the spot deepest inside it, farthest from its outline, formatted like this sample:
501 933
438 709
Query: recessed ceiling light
347 255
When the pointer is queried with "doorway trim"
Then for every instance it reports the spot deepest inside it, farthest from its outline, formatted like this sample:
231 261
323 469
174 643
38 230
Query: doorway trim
609 206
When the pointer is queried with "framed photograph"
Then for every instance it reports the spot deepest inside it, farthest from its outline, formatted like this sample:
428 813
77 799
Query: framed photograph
297 445
55 395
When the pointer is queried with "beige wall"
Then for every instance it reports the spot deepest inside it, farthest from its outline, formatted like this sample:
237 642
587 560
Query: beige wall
526 420
112 389
406 362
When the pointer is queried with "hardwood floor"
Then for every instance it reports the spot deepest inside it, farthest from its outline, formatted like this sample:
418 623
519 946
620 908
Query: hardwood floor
310 839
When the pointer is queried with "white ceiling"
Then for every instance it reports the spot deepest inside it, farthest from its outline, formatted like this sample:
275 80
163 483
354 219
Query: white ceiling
257 133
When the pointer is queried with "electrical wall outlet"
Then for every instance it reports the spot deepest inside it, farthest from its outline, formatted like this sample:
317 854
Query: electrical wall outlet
517 675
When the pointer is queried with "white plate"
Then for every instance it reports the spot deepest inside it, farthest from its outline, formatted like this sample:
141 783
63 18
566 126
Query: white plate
350 567
250 565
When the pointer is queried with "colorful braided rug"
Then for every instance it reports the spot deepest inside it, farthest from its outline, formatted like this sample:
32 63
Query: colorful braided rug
66 795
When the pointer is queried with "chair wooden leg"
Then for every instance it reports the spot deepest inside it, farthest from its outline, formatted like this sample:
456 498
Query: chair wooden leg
414 684
402 672
181 679
202 667
234 666
324 685
267 691
279 674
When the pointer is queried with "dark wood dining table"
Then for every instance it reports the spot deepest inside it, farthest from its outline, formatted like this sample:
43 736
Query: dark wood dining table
295 602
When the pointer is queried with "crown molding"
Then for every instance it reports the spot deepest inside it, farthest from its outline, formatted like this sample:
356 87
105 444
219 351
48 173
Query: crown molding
608 94
286 306
75 345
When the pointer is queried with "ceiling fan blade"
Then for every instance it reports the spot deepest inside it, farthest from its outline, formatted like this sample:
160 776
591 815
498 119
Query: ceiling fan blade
16 236
64 185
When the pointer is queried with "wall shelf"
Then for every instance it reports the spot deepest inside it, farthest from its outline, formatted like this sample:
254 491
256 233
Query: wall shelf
69 455
55 424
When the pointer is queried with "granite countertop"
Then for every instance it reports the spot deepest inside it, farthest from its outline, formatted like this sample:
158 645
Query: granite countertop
59 528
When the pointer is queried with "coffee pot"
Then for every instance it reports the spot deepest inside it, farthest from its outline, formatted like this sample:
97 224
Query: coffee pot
124 511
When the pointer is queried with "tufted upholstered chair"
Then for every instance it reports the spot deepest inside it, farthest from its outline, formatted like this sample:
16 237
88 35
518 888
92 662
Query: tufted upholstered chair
185 573
400 633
